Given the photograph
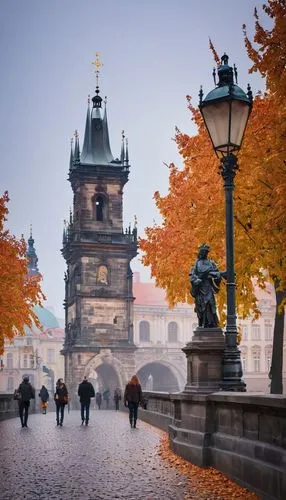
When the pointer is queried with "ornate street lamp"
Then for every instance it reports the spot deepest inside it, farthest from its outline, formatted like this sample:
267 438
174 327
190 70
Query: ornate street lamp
225 111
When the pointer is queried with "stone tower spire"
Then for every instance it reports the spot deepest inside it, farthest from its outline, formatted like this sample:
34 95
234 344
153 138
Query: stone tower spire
98 281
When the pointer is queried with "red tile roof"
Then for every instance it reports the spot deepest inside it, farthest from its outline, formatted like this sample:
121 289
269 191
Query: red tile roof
147 294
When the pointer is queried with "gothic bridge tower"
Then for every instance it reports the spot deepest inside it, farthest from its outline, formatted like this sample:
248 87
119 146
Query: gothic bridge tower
98 281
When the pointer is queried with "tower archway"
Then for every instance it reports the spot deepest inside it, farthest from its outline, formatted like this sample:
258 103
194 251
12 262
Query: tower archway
104 378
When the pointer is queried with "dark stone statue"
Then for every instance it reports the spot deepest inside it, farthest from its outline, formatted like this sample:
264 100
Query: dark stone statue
205 279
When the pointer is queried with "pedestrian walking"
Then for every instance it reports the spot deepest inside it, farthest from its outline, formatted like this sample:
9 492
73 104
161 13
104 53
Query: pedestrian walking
98 399
85 392
24 394
61 399
106 396
44 395
132 398
117 398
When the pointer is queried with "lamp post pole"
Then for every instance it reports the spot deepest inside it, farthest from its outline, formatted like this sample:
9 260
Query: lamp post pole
225 112
232 369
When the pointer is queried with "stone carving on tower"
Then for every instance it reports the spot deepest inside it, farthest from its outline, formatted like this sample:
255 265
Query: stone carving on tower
98 281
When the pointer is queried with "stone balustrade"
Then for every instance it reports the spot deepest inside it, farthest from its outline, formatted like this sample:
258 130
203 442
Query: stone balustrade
240 434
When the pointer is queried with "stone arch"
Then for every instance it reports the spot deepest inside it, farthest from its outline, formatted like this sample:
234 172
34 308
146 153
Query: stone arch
165 376
108 369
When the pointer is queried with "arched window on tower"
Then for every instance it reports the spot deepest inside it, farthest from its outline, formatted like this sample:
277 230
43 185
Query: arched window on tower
172 332
144 331
99 208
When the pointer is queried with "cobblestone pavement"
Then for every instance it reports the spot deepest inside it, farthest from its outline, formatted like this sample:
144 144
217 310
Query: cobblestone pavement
106 460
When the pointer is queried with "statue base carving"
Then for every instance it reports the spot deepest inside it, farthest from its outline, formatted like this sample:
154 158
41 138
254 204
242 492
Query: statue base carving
204 361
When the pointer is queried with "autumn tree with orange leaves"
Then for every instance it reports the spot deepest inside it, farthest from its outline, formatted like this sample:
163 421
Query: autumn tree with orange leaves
193 210
19 293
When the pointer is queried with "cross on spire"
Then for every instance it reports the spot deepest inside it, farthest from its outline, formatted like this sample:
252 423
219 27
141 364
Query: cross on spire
98 64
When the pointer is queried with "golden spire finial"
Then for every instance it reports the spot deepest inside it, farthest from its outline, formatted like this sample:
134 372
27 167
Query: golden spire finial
135 220
88 99
98 64
123 136
31 231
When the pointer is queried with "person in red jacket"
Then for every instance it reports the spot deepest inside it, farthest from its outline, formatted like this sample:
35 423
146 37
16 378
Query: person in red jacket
132 398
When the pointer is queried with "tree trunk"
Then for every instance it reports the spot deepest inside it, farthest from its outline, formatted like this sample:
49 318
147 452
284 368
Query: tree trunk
277 350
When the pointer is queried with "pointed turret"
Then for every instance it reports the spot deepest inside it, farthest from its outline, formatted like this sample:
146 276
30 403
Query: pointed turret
122 153
126 152
106 133
31 255
72 155
96 147
76 150
86 142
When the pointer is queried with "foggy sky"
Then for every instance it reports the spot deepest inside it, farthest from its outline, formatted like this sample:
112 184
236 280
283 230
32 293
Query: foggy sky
154 53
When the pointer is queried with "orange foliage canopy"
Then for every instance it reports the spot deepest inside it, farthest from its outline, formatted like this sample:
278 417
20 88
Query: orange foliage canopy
18 292
193 211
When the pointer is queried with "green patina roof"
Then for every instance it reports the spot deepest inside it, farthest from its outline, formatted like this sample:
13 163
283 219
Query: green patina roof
46 317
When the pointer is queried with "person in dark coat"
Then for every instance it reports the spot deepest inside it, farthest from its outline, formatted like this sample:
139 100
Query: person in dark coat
85 392
106 396
44 395
98 399
61 399
132 398
26 393
117 398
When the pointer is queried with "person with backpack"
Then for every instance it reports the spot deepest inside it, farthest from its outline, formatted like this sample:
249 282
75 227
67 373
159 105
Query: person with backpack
44 395
85 392
61 399
25 393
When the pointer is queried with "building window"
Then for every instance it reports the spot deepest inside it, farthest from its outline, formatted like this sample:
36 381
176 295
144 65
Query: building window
244 331
10 385
268 328
172 332
243 350
25 361
29 341
268 357
99 208
9 360
256 359
51 356
144 331
255 333
244 364
31 361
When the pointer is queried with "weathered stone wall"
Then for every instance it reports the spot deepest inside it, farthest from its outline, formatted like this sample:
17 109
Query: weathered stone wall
240 434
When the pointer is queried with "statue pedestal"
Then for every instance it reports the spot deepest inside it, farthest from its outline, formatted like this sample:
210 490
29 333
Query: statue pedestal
204 361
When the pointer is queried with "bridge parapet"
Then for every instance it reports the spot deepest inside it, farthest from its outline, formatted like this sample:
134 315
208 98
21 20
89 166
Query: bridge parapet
241 434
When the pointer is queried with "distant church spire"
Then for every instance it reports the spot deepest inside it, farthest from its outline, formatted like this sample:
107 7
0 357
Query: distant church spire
31 255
